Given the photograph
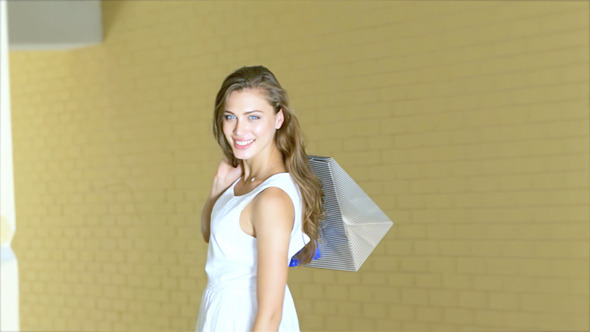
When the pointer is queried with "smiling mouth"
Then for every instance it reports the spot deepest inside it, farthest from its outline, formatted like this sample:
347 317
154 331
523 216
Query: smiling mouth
243 144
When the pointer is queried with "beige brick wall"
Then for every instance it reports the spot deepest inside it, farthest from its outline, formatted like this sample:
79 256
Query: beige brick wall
467 122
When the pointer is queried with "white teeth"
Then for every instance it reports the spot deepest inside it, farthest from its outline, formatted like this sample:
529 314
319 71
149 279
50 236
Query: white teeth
244 142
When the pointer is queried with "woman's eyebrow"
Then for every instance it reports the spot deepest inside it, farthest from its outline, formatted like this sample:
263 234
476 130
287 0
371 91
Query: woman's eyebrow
249 112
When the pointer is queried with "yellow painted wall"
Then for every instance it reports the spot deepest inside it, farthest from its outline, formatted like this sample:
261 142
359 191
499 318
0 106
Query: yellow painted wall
467 122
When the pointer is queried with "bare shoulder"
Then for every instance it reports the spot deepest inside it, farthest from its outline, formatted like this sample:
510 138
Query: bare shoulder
273 204
272 196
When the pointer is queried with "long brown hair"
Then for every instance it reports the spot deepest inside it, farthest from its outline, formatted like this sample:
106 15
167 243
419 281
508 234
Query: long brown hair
288 139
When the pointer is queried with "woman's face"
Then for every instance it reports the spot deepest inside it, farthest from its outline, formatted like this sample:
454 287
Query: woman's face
250 123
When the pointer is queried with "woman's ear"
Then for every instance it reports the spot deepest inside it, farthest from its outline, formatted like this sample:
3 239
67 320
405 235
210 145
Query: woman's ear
280 119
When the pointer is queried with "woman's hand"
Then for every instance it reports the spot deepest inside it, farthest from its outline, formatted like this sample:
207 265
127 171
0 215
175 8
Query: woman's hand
225 176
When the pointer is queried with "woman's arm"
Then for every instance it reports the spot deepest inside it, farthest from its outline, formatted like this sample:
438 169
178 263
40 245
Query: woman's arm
224 177
272 218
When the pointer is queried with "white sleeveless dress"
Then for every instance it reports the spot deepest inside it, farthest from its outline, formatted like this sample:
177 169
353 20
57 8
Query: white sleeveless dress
229 300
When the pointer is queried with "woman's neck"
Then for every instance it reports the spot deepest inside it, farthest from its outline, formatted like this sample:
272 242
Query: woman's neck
263 166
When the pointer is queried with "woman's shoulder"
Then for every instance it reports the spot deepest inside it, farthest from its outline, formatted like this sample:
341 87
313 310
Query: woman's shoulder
272 196
275 203
282 181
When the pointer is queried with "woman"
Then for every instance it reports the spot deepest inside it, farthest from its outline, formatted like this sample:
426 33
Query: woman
263 209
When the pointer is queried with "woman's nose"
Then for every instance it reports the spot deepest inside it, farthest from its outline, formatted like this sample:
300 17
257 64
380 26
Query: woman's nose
239 127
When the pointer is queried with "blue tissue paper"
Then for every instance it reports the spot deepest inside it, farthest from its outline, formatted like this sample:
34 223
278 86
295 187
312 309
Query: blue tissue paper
295 261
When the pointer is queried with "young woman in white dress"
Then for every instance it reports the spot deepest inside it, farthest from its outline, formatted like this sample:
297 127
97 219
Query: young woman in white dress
264 207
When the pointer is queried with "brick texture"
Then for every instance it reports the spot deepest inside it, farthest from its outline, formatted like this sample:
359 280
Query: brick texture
467 122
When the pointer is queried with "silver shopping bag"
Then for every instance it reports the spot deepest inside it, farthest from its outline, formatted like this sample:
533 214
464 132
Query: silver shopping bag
354 224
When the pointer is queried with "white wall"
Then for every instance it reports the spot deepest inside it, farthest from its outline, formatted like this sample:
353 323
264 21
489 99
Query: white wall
55 24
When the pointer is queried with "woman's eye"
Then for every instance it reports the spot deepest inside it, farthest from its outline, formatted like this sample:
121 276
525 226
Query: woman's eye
229 117
254 117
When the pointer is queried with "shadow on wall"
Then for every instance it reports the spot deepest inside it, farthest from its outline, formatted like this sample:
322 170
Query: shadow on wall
110 11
